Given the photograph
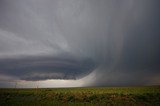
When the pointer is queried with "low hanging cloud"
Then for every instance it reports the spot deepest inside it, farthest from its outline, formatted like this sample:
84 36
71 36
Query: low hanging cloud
46 67
108 42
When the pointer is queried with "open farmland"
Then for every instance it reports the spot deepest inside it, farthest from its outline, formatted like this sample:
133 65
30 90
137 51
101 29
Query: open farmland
91 96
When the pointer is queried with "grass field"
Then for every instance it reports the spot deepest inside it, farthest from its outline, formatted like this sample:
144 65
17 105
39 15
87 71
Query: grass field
97 96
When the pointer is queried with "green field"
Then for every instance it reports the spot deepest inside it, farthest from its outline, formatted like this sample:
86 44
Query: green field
97 96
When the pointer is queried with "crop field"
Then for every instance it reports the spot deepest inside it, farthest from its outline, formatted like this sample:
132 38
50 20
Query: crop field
91 96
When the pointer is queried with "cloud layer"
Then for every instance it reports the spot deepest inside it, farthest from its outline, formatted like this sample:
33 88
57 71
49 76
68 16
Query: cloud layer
108 42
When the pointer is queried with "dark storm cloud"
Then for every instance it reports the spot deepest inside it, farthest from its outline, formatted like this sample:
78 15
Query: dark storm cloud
116 40
46 67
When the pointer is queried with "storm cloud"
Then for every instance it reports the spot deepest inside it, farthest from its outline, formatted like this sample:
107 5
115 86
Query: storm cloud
105 42
42 68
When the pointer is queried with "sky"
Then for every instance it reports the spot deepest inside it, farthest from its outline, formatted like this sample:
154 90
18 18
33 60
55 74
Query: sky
78 43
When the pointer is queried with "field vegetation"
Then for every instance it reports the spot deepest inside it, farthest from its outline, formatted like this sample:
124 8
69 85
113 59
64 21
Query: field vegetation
91 96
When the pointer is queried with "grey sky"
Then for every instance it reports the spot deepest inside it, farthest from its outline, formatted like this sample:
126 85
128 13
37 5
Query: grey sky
116 41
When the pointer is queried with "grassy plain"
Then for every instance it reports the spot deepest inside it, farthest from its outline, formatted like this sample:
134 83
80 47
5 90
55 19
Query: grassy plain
91 96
